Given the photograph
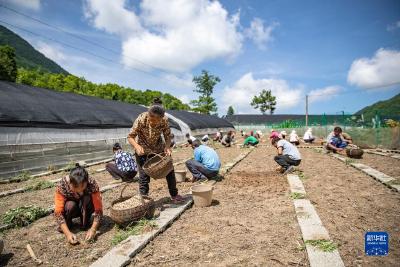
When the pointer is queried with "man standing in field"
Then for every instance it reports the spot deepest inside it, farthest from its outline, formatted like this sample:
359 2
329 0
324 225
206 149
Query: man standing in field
288 154
206 162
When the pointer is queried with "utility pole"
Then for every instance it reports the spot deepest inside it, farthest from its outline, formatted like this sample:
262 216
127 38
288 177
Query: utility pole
306 110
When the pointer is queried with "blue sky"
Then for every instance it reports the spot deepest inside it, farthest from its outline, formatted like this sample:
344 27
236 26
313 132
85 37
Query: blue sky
344 54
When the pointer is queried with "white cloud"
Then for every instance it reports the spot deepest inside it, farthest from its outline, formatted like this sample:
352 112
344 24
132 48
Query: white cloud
52 52
112 16
173 35
67 61
382 70
184 98
28 4
393 26
259 33
181 81
240 94
324 94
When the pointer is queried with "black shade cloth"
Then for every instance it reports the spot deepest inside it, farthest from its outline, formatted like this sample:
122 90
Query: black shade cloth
22 105
200 121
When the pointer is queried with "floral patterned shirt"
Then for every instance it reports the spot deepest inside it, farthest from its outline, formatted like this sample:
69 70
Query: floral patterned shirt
125 161
150 137
64 193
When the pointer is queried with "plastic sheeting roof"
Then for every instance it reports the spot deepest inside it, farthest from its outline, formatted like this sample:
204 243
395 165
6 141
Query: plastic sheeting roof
200 121
23 106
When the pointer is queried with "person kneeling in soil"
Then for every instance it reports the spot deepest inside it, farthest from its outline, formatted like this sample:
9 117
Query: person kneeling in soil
336 142
308 136
124 166
206 162
288 154
250 140
78 196
227 139
146 138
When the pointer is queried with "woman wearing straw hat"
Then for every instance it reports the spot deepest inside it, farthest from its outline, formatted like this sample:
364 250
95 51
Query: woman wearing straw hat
146 138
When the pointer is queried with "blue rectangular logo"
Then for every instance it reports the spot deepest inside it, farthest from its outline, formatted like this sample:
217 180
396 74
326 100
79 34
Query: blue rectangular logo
376 244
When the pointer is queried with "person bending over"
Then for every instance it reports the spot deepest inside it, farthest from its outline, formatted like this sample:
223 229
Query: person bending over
227 139
146 138
206 162
124 166
288 154
78 196
336 142
308 136
189 139
250 140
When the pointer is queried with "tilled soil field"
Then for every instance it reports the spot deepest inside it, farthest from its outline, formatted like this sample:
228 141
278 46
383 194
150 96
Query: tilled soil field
51 247
387 165
252 222
178 155
349 204
43 198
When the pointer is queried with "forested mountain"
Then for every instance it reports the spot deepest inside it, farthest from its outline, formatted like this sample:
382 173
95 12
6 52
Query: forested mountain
386 108
26 55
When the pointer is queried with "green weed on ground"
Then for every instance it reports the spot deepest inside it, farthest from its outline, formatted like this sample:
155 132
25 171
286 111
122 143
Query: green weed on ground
70 166
322 244
136 228
40 185
21 177
23 216
349 161
301 175
296 195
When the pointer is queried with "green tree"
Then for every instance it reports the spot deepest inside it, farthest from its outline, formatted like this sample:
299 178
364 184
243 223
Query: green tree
78 85
264 101
8 65
205 86
230 111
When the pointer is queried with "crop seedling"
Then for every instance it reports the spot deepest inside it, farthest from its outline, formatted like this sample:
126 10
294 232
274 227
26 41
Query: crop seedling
323 244
22 176
70 166
301 175
23 216
40 185
296 195
51 168
349 161
135 228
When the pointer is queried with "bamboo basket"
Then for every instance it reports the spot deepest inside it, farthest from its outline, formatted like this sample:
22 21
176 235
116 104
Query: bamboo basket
158 166
123 216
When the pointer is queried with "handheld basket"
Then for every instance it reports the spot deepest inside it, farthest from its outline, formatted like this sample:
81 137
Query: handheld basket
130 214
158 166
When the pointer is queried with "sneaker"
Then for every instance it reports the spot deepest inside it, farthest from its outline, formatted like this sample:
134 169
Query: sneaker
289 170
177 199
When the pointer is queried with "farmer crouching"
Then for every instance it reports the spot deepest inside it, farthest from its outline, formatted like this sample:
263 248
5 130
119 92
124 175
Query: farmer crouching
288 154
336 140
146 138
124 166
206 162
250 140
78 196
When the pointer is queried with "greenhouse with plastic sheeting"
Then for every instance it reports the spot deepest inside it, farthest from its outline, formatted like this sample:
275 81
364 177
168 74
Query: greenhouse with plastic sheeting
42 129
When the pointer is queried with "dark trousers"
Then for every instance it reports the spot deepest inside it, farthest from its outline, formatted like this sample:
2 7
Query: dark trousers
112 168
309 140
144 179
83 209
199 171
285 161
296 143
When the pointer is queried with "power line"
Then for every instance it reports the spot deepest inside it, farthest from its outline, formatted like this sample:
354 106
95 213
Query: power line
87 52
78 37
